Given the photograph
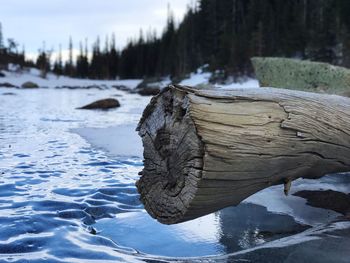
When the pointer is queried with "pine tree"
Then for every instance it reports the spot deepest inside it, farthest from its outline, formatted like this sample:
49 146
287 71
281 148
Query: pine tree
58 65
1 39
70 58
79 64
96 61
43 61
60 61
105 60
113 59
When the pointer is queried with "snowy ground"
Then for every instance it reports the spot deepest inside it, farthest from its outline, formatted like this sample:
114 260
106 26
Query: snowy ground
52 81
199 77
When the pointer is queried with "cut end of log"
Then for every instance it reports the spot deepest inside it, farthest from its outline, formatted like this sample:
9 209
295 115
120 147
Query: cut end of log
173 155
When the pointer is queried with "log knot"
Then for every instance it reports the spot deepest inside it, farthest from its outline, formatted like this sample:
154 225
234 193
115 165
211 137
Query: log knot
162 142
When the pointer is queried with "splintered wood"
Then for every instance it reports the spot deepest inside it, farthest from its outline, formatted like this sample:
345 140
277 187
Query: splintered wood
208 149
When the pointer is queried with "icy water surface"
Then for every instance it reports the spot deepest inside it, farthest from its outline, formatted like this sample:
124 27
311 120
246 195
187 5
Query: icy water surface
67 194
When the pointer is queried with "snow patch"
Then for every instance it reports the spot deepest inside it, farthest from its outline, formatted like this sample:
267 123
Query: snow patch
201 77
247 83
162 83
196 79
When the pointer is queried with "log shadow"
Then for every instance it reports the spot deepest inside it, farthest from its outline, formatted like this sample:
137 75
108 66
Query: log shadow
329 199
248 225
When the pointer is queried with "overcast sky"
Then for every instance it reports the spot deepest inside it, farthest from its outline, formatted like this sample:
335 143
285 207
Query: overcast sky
30 22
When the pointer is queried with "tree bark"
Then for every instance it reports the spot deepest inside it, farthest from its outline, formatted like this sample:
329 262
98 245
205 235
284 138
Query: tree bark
208 149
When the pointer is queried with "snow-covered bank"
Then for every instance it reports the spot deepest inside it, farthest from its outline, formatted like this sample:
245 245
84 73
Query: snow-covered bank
17 78
197 78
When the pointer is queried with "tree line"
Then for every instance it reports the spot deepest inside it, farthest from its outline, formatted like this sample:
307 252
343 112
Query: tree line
101 64
224 34
10 53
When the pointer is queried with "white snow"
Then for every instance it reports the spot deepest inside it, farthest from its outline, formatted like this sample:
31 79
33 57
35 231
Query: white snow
17 78
162 83
246 83
196 79
202 77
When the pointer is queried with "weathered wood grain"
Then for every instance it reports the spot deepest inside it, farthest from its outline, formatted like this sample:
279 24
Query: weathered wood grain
208 149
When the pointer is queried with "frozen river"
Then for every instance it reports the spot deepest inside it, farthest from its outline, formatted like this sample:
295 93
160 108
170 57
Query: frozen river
67 194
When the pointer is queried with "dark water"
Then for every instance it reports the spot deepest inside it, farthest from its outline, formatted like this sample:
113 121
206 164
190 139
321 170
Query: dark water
65 200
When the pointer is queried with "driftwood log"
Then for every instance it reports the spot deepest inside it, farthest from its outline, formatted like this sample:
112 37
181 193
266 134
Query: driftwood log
208 149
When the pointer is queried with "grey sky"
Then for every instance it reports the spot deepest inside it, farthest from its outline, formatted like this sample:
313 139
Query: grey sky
30 22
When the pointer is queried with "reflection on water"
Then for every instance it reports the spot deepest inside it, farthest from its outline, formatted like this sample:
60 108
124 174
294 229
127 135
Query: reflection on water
63 200
251 225
139 231
230 230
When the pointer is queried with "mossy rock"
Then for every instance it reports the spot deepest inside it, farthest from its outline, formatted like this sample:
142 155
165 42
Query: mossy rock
301 75
29 85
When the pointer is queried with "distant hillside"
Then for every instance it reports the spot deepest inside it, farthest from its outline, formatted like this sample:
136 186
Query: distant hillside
226 33
223 34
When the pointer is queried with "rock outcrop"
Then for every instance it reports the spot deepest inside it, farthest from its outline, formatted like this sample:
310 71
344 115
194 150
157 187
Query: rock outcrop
302 75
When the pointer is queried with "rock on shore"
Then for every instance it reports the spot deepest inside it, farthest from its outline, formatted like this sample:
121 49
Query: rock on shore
29 85
103 104
7 85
